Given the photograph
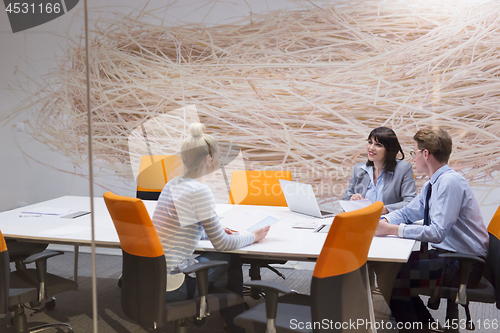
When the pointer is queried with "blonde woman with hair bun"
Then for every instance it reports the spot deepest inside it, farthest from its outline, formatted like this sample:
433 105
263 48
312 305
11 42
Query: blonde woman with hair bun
186 213
199 152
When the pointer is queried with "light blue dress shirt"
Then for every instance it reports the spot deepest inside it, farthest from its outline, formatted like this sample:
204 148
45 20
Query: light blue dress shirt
456 223
374 192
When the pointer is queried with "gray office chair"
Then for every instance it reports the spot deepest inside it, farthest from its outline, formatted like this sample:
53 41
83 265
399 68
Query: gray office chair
19 250
339 286
144 277
29 286
487 291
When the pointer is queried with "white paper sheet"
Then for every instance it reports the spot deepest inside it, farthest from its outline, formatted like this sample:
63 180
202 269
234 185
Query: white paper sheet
47 211
349 206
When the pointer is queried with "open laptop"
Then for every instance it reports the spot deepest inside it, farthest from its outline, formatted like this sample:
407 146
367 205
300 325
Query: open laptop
300 198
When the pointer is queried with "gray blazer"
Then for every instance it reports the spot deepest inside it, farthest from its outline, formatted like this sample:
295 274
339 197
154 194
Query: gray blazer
399 186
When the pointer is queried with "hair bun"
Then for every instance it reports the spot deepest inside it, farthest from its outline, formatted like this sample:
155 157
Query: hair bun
196 130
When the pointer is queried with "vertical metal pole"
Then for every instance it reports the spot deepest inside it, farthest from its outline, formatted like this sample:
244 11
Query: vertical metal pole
75 266
370 300
91 171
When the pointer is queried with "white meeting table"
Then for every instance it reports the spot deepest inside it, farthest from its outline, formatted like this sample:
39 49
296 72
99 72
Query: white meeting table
282 242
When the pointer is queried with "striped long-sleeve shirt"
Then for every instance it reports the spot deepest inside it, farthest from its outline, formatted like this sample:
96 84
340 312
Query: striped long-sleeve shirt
185 208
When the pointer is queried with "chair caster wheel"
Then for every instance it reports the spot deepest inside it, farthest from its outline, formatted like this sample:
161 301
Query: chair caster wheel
50 305
199 322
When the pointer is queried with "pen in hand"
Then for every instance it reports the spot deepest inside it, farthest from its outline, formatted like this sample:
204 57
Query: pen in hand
230 231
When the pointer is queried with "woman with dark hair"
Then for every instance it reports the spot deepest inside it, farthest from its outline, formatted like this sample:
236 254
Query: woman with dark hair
383 177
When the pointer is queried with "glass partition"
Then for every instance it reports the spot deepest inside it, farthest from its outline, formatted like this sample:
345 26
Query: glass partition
283 85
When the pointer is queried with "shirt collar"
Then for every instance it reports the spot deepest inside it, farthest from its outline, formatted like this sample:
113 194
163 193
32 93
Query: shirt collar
438 173
366 168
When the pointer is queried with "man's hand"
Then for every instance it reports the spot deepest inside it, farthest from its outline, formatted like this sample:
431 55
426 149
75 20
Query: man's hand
384 228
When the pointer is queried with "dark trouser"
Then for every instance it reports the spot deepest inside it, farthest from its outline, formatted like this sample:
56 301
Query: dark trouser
234 284
229 277
420 276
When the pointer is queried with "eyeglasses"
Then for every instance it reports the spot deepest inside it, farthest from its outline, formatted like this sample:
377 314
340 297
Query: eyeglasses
413 152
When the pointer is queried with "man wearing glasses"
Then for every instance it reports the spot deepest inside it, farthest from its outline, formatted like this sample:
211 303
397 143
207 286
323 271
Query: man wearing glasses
452 223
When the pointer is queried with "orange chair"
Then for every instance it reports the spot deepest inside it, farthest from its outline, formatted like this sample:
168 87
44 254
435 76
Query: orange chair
258 187
154 172
255 187
144 276
339 286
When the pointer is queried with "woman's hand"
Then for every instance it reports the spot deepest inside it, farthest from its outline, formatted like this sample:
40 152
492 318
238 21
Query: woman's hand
385 211
356 196
230 231
261 233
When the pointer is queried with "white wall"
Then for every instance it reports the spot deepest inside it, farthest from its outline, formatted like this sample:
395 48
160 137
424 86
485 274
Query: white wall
35 52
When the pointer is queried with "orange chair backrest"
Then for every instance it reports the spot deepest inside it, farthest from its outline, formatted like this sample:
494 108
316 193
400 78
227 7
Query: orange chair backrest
258 187
156 170
3 245
494 226
134 226
348 242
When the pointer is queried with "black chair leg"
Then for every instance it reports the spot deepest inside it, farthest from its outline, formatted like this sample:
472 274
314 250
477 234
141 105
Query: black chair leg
276 271
254 273
469 326
19 320
452 317
181 326
20 266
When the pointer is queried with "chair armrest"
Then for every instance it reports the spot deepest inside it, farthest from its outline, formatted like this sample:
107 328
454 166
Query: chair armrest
203 265
201 271
462 257
41 256
269 286
465 266
40 260
271 291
